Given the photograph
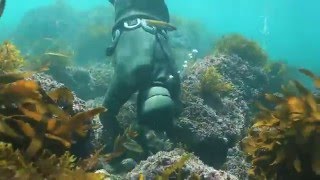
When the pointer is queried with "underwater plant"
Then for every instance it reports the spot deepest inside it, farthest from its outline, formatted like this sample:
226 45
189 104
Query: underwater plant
124 143
246 49
277 68
15 164
173 168
212 82
33 120
283 143
10 57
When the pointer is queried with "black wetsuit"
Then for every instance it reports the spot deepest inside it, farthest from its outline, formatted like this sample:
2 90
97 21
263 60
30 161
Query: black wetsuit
154 9
142 60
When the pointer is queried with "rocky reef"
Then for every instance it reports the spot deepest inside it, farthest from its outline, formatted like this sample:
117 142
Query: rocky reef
214 120
176 164
219 88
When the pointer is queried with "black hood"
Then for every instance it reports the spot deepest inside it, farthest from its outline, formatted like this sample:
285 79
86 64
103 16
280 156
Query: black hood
153 9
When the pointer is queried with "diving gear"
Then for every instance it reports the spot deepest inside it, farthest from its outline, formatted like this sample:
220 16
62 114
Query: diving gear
143 63
157 101
151 26
128 9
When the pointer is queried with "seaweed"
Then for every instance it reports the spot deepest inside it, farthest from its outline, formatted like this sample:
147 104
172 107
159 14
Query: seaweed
174 168
283 143
32 120
15 164
212 82
124 143
246 49
10 57
37 130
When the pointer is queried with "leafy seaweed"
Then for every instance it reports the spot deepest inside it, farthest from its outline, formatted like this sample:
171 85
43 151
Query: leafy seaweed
32 120
10 57
283 143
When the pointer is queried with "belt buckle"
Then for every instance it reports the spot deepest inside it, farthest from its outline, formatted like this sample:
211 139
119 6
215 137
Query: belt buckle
132 24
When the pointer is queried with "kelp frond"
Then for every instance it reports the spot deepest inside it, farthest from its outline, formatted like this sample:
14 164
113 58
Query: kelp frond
15 164
33 119
124 143
284 141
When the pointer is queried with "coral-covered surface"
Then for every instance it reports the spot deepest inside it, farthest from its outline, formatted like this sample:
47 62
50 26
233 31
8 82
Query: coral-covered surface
49 84
215 120
192 168
236 163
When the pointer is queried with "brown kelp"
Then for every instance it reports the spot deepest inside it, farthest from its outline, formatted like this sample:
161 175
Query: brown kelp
37 130
15 165
124 143
32 120
284 141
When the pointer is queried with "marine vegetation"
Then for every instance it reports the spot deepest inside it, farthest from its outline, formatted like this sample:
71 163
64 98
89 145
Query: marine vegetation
32 120
37 129
284 141
212 82
277 68
124 143
15 164
175 167
246 49
172 171
10 57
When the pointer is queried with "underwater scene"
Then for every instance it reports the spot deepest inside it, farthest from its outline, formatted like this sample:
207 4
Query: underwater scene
159 90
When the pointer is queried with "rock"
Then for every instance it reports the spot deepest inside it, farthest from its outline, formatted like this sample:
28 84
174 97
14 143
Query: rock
156 164
89 82
128 164
236 163
49 84
215 123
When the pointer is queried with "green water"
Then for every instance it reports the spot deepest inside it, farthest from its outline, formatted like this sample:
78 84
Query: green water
288 29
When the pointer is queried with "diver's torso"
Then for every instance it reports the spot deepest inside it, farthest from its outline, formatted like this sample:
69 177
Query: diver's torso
155 9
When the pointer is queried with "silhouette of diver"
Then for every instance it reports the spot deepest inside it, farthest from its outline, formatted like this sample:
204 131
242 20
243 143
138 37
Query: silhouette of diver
2 6
144 64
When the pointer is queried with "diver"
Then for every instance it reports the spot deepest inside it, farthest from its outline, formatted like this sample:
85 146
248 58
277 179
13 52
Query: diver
2 6
143 63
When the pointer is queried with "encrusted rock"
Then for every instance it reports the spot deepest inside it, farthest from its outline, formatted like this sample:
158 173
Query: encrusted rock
236 163
215 123
48 84
156 164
